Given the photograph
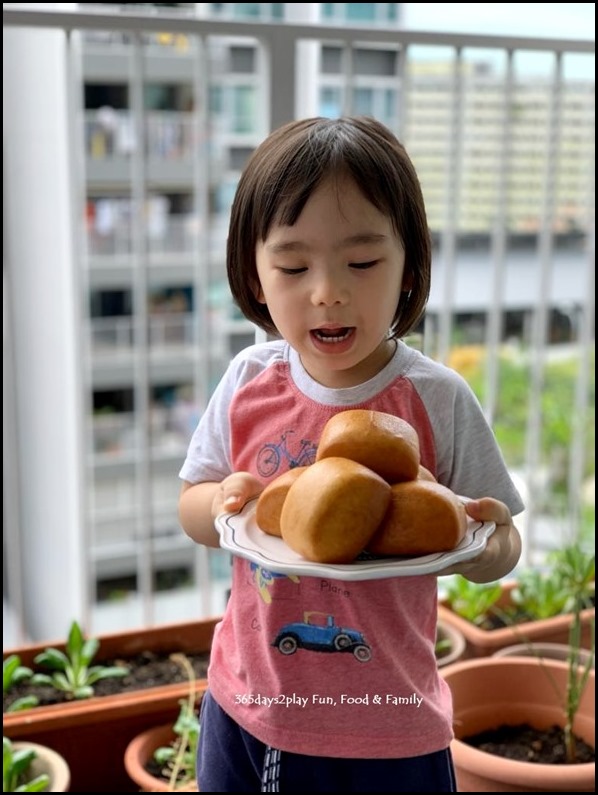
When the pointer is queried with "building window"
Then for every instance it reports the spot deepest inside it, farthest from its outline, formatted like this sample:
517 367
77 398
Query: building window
331 102
243 109
331 60
242 60
248 10
379 63
366 62
378 13
363 101
238 156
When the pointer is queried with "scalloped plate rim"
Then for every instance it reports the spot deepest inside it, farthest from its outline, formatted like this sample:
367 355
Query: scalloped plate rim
240 535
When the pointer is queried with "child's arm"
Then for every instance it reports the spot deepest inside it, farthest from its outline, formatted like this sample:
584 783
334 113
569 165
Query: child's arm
503 548
201 503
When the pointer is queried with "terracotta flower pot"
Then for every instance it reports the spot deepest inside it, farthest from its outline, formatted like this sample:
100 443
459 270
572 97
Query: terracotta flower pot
93 734
457 644
138 753
493 691
49 762
552 651
484 642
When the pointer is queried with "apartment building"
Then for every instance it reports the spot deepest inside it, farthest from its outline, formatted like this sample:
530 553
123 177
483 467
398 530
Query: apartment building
157 322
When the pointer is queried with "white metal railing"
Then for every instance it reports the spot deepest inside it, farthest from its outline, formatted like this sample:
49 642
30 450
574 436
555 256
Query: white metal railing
110 233
167 134
116 334
501 131
114 433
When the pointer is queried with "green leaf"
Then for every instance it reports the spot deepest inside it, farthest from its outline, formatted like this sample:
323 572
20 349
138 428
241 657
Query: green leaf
62 682
25 702
85 691
89 650
42 679
13 672
96 673
164 755
9 666
52 658
39 784
472 600
74 643
21 760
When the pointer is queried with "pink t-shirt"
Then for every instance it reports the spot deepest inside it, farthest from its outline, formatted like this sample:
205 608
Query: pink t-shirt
322 666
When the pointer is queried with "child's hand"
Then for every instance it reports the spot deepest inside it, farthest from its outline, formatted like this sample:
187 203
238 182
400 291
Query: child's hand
235 490
503 548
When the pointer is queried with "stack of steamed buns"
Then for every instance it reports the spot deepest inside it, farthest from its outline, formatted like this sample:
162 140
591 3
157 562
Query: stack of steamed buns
366 491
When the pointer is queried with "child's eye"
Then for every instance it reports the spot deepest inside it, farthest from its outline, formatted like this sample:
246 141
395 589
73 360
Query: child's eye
363 265
292 271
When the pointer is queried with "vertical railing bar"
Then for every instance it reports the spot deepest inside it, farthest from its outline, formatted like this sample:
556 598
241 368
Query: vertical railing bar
280 59
349 78
264 104
266 66
498 252
453 197
402 83
402 92
201 179
201 258
540 313
141 350
424 341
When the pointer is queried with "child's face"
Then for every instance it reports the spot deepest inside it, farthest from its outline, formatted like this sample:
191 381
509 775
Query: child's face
332 283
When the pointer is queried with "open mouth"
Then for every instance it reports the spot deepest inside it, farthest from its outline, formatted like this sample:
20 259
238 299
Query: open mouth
333 335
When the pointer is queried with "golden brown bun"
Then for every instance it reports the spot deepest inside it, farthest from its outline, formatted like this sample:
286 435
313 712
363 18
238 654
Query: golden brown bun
386 444
423 517
270 502
425 474
332 510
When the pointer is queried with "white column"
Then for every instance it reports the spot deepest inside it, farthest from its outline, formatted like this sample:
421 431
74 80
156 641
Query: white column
308 56
44 308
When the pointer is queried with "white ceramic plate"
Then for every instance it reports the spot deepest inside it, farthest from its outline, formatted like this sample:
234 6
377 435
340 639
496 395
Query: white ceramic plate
240 535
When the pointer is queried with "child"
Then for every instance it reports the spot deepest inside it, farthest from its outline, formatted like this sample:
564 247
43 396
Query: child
329 251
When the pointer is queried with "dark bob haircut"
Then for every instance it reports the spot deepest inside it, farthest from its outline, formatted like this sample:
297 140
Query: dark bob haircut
286 169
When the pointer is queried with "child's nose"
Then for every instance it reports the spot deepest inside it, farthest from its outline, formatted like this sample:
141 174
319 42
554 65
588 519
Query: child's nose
328 290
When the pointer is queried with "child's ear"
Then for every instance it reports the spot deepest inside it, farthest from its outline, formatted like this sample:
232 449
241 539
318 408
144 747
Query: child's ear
258 293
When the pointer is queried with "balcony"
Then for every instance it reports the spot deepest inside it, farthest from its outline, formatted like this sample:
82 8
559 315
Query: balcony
133 198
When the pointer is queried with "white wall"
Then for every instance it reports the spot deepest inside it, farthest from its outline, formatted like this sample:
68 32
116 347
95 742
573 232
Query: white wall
42 497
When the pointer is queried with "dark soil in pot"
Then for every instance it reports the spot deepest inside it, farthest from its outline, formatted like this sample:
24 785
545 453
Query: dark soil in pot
526 744
146 670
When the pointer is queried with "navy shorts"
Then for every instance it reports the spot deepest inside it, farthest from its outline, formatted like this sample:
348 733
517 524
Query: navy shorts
229 759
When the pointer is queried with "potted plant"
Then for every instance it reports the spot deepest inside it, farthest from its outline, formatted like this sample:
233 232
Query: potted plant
30 767
93 733
490 693
450 644
163 758
13 673
525 724
537 607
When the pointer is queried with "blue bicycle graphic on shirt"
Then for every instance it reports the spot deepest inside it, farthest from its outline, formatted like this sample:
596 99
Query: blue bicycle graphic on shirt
271 455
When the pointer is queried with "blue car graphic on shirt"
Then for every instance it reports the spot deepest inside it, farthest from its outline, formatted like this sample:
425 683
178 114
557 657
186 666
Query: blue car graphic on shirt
318 632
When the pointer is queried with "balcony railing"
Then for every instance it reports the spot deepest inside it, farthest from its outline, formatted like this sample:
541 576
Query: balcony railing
114 335
501 130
